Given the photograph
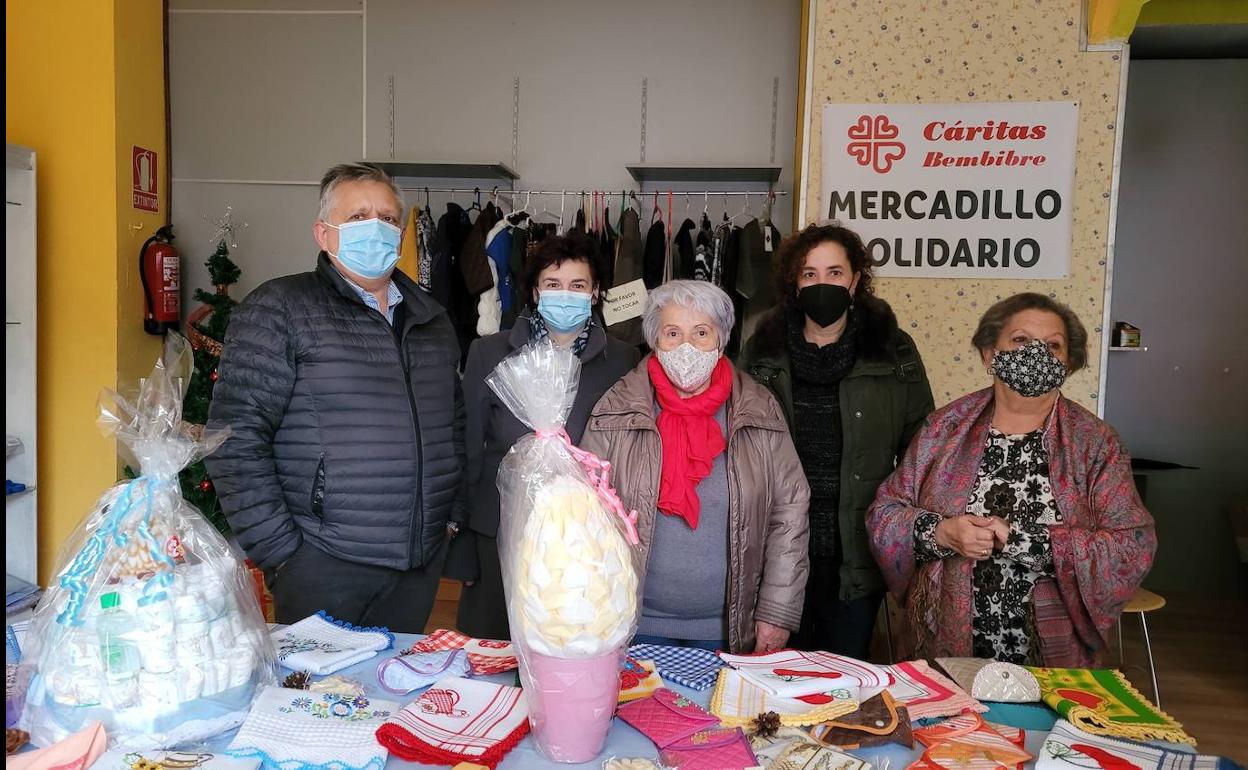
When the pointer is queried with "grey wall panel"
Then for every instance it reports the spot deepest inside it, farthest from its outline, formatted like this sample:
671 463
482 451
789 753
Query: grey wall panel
1180 274
264 96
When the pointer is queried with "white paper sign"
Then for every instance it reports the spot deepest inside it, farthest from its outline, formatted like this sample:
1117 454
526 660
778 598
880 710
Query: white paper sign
954 190
624 302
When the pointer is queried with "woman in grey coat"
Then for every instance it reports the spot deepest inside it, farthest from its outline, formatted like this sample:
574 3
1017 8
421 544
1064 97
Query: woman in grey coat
563 278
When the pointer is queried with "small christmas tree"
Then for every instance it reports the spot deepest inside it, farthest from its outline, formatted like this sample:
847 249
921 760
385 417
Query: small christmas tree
206 331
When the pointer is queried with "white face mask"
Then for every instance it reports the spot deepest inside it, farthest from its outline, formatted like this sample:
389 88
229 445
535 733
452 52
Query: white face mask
687 367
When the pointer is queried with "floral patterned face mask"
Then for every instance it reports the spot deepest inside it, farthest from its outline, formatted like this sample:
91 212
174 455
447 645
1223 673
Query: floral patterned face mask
1029 371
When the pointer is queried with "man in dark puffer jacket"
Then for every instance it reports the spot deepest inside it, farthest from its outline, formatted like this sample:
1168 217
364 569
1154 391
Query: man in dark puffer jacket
346 447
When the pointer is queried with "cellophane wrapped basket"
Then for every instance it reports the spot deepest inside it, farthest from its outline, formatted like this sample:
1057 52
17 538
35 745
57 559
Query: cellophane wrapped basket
151 624
571 568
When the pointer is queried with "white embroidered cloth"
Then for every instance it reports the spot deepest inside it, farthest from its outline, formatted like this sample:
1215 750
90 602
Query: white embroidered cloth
295 729
321 645
737 701
1068 747
793 673
458 720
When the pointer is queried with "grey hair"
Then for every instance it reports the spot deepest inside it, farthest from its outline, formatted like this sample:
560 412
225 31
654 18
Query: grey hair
354 172
702 296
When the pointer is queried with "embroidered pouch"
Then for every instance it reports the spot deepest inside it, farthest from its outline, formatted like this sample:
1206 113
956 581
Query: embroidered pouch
407 673
485 656
879 720
927 693
1067 748
718 749
458 720
737 701
666 717
966 742
294 728
638 678
768 748
793 673
992 680
688 666
1103 702
321 645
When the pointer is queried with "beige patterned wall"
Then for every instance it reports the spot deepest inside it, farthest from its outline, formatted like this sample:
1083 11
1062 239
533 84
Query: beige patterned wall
908 51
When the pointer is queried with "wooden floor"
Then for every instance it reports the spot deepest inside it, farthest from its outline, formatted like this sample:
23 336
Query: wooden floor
1200 646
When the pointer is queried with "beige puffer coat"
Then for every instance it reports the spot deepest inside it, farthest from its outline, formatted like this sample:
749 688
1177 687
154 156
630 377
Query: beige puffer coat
768 494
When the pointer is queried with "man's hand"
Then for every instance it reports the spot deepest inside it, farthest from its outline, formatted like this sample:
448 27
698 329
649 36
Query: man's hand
768 637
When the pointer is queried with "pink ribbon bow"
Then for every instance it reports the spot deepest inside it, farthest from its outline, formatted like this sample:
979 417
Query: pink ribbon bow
599 472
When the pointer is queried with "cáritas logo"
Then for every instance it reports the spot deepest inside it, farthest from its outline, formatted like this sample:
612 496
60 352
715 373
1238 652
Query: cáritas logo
873 142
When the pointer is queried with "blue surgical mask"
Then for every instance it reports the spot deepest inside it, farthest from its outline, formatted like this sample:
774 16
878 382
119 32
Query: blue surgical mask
369 249
564 311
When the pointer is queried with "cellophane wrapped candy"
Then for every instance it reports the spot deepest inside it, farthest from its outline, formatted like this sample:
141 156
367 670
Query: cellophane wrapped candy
571 568
151 624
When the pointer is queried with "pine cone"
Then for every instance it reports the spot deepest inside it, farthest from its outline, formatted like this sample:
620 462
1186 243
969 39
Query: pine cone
14 740
298 680
765 725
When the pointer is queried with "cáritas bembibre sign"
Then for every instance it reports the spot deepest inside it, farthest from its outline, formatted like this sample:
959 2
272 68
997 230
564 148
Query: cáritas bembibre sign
954 190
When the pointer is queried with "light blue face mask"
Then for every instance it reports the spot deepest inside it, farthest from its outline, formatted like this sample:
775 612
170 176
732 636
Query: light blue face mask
369 249
564 311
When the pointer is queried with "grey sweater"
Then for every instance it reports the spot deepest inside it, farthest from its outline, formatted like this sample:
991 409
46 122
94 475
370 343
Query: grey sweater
687 578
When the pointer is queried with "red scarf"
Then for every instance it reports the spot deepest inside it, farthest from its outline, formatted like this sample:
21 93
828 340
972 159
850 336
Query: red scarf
691 438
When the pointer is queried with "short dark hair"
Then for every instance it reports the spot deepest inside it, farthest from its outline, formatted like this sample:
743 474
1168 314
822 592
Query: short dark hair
791 257
996 317
557 249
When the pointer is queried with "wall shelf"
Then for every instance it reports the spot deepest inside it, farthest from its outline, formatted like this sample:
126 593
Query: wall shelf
405 170
701 172
1120 349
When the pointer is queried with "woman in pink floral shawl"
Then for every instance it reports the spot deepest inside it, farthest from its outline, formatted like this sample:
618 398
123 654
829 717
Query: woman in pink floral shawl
1012 528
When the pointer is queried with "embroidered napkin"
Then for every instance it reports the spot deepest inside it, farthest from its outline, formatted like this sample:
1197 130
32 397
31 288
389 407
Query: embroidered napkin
808 756
458 720
879 720
966 742
717 749
992 680
77 752
485 656
927 693
407 673
1067 747
737 701
638 678
120 759
1102 702
792 673
321 645
294 729
688 666
666 717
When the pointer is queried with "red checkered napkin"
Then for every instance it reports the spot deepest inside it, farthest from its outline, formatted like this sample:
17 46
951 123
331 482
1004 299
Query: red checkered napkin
485 656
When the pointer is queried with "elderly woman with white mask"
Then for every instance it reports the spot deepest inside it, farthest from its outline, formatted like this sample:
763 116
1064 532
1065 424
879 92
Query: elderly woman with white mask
704 455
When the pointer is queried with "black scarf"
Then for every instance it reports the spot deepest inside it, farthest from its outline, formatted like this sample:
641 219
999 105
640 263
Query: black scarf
822 365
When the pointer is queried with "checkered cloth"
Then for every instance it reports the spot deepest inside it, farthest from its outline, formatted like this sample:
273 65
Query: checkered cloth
688 666
484 656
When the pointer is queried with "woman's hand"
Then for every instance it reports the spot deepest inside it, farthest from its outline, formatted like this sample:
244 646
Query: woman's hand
768 637
970 536
1000 531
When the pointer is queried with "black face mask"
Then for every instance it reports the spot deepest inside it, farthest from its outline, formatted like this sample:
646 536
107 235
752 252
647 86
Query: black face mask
824 303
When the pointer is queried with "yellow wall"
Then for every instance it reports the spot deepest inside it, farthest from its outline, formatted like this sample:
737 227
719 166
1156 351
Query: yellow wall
140 99
62 96
905 51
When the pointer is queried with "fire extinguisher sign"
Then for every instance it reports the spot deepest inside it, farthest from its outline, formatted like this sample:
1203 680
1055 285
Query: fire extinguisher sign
143 187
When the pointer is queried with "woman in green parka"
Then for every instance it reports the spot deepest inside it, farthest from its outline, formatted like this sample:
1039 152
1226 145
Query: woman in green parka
853 388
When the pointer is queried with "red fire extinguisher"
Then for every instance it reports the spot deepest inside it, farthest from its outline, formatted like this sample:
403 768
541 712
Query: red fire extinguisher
160 268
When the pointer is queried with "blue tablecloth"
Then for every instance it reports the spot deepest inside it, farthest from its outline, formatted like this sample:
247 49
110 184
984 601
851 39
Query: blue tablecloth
623 740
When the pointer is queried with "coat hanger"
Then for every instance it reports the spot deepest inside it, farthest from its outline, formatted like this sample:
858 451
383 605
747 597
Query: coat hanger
726 218
476 203
426 199
768 206
745 210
